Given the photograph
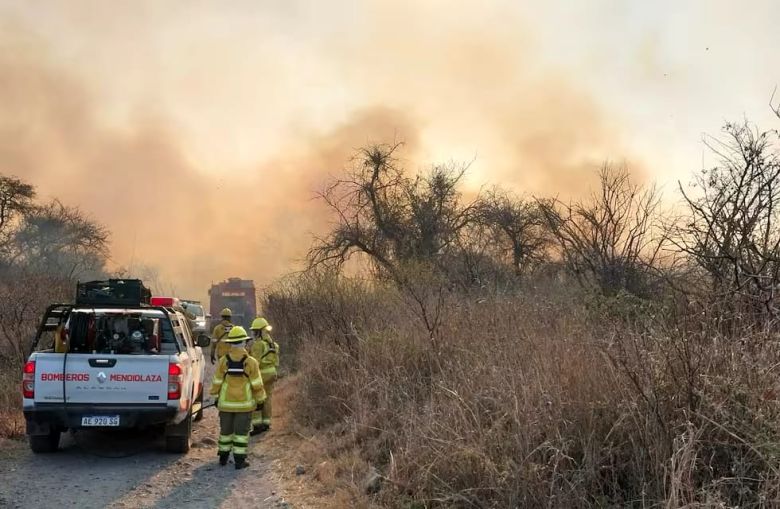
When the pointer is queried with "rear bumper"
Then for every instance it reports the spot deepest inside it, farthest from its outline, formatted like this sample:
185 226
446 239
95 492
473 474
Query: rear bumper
44 418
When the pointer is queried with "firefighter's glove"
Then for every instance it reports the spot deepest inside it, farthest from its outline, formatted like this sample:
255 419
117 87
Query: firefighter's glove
259 406
213 360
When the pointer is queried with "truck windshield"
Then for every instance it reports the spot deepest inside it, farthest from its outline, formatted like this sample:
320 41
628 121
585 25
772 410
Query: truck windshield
195 309
117 332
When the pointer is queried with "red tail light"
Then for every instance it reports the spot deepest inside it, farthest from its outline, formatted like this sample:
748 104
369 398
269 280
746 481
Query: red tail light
175 379
28 380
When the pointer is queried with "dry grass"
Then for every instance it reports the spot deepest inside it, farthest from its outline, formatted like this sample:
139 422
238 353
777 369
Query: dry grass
537 400
11 418
23 299
329 480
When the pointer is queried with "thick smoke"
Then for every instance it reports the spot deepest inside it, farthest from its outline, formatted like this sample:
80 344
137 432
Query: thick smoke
476 90
162 210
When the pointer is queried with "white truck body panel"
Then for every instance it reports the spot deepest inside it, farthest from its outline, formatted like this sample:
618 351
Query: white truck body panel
96 378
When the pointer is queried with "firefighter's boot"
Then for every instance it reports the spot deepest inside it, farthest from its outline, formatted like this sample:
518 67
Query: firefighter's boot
241 461
223 458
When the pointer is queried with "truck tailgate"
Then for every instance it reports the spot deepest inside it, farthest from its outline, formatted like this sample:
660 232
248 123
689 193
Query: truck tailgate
48 377
97 378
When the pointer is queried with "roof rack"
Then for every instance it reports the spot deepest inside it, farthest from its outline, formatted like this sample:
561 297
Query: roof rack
113 292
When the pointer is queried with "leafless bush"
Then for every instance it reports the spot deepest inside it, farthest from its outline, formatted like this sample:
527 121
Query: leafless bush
613 240
23 298
731 230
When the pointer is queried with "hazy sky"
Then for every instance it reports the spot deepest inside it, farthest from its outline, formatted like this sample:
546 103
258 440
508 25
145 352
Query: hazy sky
538 94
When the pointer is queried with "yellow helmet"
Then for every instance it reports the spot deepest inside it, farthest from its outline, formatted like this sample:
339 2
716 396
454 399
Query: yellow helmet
226 313
236 335
260 324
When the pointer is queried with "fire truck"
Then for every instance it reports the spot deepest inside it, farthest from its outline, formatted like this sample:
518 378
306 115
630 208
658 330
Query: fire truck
236 294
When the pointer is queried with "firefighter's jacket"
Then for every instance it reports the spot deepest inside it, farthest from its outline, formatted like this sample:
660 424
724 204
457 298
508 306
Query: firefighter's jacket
266 351
219 348
237 382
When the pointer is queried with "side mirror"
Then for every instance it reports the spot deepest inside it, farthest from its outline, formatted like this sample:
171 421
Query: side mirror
203 341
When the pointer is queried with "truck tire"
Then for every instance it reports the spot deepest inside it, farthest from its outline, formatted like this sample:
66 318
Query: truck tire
178 436
45 443
199 414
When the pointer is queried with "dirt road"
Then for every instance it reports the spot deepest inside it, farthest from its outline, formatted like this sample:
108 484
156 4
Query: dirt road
120 469
86 473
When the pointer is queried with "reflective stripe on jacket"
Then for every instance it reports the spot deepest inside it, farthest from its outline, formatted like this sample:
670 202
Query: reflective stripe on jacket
238 392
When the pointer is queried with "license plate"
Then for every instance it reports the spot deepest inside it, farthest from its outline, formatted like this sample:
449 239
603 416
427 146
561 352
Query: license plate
100 420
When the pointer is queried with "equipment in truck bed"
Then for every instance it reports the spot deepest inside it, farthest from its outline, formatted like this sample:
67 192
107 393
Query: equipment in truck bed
114 292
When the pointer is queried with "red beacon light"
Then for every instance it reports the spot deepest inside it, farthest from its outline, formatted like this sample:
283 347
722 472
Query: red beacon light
165 302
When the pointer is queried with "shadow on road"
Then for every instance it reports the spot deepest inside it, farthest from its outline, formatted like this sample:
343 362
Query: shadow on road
210 485
91 469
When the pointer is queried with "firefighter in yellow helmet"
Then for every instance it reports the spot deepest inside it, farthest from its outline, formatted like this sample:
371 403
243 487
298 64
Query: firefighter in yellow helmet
238 390
266 351
218 347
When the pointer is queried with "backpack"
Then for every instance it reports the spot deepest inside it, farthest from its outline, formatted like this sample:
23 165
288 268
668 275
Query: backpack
236 368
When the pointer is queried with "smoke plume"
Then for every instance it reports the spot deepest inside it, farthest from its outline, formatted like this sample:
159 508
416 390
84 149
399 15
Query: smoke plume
457 92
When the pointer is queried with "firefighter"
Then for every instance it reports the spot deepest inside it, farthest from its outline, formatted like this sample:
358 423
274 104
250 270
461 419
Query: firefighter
238 391
266 351
223 328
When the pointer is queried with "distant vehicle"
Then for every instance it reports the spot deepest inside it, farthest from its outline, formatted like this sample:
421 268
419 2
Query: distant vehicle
113 360
196 308
238 295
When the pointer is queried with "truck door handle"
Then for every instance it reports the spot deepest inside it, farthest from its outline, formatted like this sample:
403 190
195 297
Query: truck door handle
102 363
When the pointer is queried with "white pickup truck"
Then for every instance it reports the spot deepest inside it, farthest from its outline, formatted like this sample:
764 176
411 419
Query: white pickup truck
113 366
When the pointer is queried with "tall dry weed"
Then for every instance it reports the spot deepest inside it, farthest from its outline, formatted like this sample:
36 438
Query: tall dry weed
542 398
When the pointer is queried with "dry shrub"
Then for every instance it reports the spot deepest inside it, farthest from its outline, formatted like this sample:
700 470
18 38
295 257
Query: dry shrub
324 307
549 398
23 298
11 419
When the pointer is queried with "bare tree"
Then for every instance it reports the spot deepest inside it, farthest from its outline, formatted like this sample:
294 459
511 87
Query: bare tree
15 199
406 226
611 240
517 228
391 217
58 239
732 229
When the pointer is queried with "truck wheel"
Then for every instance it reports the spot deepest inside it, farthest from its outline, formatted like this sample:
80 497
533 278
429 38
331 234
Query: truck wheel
177 437
199 414
45 443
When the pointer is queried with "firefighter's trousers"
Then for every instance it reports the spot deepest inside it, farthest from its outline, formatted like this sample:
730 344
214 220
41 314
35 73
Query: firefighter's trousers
234 430
264 416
